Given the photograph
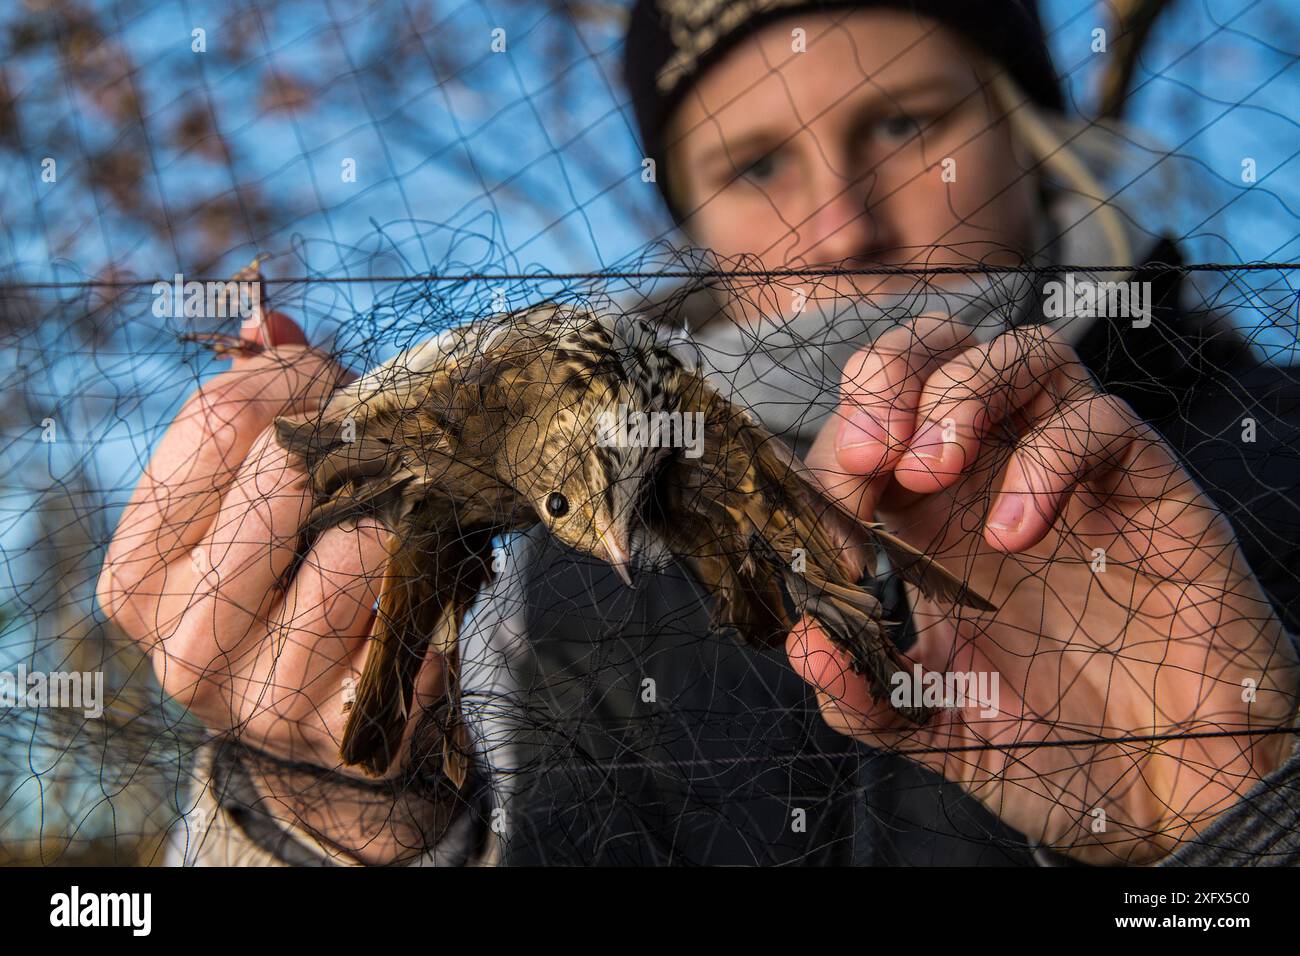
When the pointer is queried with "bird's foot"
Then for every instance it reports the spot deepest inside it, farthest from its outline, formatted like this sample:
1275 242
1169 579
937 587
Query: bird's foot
871 653
224 345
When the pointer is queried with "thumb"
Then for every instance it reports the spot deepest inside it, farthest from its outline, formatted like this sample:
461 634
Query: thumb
857 492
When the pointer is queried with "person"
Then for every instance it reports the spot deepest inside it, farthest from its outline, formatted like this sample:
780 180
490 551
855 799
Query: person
1088 471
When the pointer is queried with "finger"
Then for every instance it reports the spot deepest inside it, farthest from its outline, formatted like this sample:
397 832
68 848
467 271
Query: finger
883 385
326 623
855 452
1085 439
323 628
213 604
852 454
844 697
178 496
975 391
279 330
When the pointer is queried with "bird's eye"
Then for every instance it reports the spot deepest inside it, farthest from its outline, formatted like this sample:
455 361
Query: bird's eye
557 506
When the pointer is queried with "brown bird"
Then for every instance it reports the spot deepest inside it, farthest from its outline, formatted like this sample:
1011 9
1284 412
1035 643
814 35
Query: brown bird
496 425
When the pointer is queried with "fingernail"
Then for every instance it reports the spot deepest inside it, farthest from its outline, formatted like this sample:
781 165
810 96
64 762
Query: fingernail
862 428
1008 513
929 445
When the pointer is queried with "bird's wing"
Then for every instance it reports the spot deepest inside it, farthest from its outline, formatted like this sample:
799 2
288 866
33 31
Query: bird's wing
747 508
785 476
701 526
464 354
404 379
442 514
738 516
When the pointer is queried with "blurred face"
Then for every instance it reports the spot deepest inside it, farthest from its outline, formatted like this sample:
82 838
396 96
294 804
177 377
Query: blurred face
837 156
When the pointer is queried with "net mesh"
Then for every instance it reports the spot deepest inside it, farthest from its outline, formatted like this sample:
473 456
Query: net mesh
405 167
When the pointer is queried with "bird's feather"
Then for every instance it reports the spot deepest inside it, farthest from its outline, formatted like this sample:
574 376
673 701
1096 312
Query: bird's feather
780 462
432 579
755 498
468 435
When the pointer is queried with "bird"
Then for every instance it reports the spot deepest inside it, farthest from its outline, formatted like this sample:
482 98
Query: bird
498 424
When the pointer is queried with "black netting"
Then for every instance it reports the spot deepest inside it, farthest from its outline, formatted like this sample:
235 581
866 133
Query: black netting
405 167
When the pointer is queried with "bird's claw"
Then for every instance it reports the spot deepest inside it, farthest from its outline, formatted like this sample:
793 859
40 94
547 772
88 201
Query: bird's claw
224 345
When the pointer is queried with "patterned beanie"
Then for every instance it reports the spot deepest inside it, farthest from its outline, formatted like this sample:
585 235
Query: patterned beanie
672 43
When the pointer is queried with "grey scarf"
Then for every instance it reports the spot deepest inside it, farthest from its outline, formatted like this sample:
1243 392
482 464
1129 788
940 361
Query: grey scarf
788 369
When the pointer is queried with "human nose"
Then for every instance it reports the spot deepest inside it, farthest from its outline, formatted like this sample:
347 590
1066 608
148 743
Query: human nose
842 223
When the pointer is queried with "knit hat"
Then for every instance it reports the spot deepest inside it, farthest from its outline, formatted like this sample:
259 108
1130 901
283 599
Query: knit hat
672 43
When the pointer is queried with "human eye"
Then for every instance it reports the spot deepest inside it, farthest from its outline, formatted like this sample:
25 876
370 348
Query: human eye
761 168
897 127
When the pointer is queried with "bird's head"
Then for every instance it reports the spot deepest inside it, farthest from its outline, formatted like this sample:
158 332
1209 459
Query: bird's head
575 456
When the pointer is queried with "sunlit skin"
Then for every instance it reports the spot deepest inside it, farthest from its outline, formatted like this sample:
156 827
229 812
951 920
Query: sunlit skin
796 159
221 642
802 163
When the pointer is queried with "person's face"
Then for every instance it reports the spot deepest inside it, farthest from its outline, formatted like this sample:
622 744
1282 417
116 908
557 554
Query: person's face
837 156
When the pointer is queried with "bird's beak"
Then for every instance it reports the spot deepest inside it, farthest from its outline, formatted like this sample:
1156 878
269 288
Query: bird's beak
617 555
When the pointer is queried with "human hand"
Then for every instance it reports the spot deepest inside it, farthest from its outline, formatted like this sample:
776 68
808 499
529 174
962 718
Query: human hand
193 573
1173 637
